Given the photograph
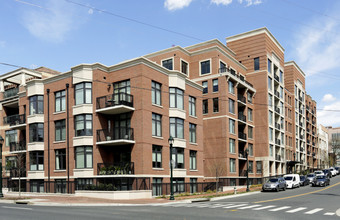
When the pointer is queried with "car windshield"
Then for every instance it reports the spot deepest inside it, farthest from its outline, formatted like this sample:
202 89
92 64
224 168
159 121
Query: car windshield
310 175
318 172
272 180
288 178
320 177
302 178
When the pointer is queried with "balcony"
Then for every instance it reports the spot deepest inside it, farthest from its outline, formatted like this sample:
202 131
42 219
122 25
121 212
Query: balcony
242 117
277 110
277 94
277 141
17 146
313 132
115 104
241 98
242 135
313 143
313 154
117 136
308 152
278 157
277 126
14 172
123 168
16 121
242 155
11 92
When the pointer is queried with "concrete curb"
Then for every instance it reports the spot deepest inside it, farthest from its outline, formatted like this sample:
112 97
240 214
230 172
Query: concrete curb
234 196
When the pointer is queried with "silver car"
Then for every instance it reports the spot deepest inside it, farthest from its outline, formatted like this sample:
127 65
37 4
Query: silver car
275 184
311 177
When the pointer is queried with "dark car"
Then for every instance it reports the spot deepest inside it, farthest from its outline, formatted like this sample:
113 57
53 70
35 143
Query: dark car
304 181
274 184
327 172
321 180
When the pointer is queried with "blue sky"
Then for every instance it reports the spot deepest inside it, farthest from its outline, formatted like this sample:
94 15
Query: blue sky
60 34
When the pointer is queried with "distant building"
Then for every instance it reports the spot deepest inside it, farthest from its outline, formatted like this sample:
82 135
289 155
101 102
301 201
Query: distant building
323 147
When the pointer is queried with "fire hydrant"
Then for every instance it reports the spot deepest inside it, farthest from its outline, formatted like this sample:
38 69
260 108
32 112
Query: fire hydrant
235 191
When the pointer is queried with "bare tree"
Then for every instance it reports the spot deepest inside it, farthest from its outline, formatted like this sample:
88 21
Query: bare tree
217 168
21 163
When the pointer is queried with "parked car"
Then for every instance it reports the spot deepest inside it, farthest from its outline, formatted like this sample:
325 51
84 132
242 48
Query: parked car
304 181
319 172
311 176
337 170
321 180
292 180
275 184
327 172
333 171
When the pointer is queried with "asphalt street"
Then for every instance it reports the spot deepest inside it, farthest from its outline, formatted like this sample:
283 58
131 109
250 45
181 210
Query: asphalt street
301 203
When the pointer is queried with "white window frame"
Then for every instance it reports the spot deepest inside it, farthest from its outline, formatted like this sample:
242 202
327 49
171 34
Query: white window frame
200 71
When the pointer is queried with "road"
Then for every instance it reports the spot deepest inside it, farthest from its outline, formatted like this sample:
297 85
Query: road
302 203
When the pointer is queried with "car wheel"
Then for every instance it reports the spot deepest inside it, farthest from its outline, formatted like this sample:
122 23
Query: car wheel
284 188
277 189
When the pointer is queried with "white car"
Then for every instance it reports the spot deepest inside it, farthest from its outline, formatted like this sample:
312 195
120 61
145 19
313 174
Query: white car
333 171
292 180
318 172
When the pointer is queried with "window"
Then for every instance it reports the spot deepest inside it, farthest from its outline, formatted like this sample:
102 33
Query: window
270 118
36 132
223 67
250 114
177 128
215 85
37 186
122 87
215 104
184 67
83 93
84 157
60 130
176 98
251 166
11 137
193 185
36 104
156 156
37 160
11 163
193 160
157 186
270 100
232 145
270 134
205 106
205 67
232 166
256 63
258 166
281 92
192 106
205 87
249 96
156 93
231 126
231 87
251 149
178 157
83 125
270 150
156 125
269 66
270 87
250 132
60 159
167 64
232 106
60 101
192 133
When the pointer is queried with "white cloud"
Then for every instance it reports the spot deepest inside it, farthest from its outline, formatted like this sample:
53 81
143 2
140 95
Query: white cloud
328 98
52 22
222 2
173 5
250 2
90 11
329 115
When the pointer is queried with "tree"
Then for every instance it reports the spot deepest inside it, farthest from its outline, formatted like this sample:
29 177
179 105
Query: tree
217 168
21 167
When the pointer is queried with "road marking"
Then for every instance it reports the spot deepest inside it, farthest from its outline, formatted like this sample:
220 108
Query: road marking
296 210
216 206
9 207
249 207
303 194
329 213
313 211
265 207
280 208
234 206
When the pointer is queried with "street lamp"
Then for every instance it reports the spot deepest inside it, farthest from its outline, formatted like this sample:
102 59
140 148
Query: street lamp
1 141
247 152
171 142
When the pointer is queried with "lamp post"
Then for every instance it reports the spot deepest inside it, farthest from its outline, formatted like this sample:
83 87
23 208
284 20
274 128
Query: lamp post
1 141
247 152
171 142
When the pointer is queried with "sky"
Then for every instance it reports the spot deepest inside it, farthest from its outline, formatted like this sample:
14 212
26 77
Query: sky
60 34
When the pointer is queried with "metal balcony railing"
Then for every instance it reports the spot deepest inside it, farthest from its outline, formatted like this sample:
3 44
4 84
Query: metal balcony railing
278 157
11 92
242 117
17 146
277 77
114 100
277 110
277 126
15 119
122 133
242 135
241 98
122 168
277 141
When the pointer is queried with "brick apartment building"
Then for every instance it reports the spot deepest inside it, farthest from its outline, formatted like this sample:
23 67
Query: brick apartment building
225 105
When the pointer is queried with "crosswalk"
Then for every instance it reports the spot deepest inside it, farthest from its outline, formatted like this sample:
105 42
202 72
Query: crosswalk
249 206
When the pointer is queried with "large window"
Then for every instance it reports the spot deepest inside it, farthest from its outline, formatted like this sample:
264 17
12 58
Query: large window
37 160
83 93
84 157
270 84
269 66
251 166
271 150
215 85
60 100
215 104
192 106
11 136
270 117
176 98
36 104
192 133
232 145
60 159
83 125
256 63
258 166
156 93
205 106
231 126
178 157
270 100
156 156
232 165
205 67
232 106
250 132
36 132
167 64
271 134
250 114
231 87
184 67
251 149
60 130
193 160
156 125
122 87
205 87
281 76
157 186
177 128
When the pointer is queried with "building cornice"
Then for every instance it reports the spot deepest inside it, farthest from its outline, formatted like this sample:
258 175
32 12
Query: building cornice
292 63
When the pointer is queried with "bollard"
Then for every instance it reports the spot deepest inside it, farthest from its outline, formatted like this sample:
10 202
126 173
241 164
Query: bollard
235 191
